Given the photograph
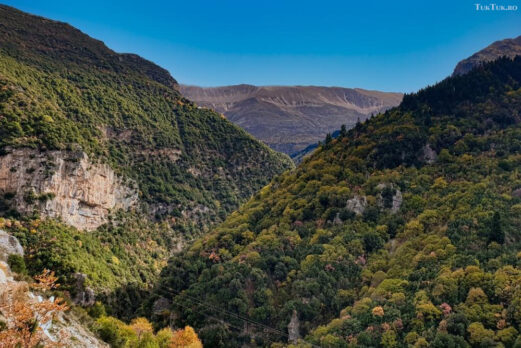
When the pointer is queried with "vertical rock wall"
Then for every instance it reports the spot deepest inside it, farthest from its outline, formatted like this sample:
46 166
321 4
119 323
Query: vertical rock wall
63 184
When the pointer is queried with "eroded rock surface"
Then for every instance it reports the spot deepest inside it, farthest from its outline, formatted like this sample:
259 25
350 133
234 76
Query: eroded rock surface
393 197
357 204
428 155
85 296
294 328
63 184
9 245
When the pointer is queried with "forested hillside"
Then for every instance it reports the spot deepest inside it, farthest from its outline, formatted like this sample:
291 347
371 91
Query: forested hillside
403 231
75 107
63 90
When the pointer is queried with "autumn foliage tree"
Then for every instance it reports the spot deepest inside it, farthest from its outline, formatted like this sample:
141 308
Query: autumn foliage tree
25 315
139 333
185 338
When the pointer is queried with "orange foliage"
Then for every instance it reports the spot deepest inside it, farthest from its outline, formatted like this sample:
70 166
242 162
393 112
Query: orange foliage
378 311
185 338
141 326
25 314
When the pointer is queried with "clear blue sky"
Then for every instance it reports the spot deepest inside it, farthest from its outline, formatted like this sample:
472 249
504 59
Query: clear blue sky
384 45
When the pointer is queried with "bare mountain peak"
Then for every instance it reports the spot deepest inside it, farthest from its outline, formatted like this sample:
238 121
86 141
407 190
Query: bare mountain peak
293 95
508 47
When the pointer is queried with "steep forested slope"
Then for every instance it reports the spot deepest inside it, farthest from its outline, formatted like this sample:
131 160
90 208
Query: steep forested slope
62 89
406 229
67 101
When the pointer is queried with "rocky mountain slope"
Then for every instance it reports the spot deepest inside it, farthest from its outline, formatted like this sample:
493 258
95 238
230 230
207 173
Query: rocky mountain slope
289 119
22 302
508 48
404 231
105 168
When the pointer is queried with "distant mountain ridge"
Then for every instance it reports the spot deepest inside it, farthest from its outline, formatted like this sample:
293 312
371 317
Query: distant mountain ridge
290 118
507 47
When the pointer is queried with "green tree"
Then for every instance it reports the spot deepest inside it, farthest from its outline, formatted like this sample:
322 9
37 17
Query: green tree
496 231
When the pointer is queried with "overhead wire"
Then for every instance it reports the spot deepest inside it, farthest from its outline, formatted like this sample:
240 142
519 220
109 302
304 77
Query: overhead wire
225 321
265 328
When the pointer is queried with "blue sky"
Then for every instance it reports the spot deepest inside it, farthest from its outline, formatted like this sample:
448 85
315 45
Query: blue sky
384 45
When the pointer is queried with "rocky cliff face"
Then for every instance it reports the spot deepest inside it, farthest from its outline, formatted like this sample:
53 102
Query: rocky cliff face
63 184
9 245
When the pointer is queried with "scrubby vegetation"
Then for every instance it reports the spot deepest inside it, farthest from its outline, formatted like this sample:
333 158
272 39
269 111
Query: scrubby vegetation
120 262
403 231
25 315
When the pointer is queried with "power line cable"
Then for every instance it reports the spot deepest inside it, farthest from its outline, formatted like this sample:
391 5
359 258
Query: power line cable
239 316
235 315
265 328
226 322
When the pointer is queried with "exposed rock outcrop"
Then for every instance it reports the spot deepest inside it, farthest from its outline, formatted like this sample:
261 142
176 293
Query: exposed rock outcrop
428 155
5 274
294 328
390 197
63 184
397 201
78 336
9 245
85 296
357 204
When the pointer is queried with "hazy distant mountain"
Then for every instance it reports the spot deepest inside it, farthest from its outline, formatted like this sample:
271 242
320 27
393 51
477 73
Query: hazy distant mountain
289 119
507 47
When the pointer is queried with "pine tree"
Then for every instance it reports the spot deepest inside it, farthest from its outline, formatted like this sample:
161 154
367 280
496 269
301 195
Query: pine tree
496 231
343 131
329 138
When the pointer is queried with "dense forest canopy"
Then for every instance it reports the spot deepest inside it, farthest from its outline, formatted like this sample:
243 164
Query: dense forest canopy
402 231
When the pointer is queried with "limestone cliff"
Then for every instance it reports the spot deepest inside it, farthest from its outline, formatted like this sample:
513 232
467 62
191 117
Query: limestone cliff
63 184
